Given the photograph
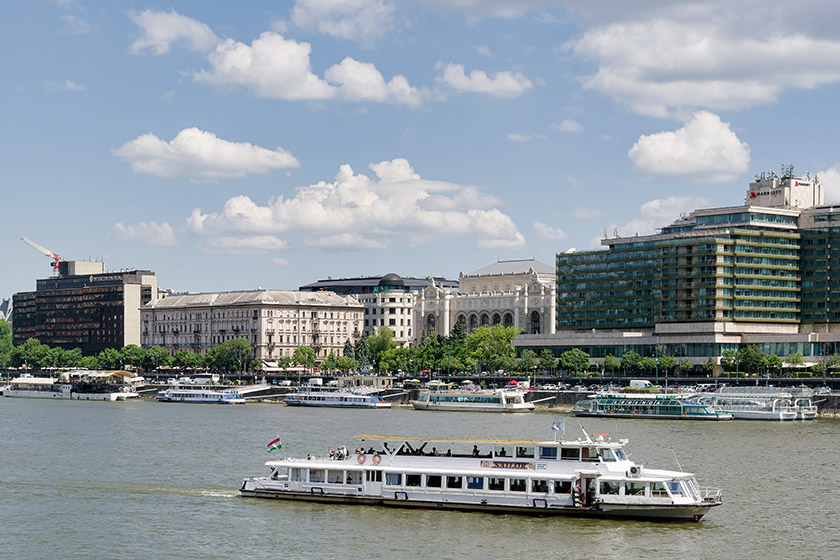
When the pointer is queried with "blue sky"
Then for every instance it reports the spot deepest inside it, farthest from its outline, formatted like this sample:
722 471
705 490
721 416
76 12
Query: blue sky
232 146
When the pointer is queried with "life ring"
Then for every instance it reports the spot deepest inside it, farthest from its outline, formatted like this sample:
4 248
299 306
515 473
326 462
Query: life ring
377 459
361 459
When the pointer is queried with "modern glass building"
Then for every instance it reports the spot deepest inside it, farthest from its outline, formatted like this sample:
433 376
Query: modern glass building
714 280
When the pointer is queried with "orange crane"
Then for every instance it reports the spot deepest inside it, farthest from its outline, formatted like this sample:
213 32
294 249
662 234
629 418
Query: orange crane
50 254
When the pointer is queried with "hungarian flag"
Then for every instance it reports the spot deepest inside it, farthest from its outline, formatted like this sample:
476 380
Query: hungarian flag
274 445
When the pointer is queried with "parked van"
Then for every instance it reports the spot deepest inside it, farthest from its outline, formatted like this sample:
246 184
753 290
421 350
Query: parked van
640 384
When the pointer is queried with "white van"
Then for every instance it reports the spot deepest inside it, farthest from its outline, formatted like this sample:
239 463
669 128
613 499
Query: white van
640 384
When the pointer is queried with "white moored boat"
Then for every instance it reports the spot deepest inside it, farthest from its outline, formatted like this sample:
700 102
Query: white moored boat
338 399
587 477
753 403
211 396
79 385
472 399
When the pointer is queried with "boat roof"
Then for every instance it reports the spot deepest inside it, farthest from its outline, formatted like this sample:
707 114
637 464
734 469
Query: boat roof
498 441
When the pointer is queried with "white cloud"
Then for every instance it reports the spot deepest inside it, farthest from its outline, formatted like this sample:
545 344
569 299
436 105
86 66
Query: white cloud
669 209
278 68
516 137
705 150
359 20
77 25
73 86
483 50
151 233
583 213
244 245
830 180
356 211
494 8
162 29
201 155
697 57
545 231
568 125
499 84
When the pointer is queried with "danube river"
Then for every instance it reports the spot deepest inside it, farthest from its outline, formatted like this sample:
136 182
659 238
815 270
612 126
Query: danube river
142 479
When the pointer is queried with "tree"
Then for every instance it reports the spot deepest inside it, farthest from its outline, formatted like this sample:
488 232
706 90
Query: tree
304 356
773 363
133 355
329 363
647 365
547 361
750 358
6 345
709 366
183 360
574 360
110 358
666 364
158 357
528 360
631 362
345 364
686 367
795 360
231 355
611 363
729 360
362 354
491 346
30 353
349 350
378 343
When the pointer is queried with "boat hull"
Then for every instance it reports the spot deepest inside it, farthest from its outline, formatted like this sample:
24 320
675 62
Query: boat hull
718 417
624 511
337 405
468 407
29 394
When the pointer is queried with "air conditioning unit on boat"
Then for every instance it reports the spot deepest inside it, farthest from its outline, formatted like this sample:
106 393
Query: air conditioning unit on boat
635 471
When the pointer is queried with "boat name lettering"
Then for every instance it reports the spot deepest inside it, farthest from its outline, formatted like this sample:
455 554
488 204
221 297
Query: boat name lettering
507 465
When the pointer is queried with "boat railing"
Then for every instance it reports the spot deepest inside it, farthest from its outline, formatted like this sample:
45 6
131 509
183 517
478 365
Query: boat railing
710 495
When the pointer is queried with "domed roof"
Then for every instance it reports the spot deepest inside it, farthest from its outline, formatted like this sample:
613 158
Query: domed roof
391 280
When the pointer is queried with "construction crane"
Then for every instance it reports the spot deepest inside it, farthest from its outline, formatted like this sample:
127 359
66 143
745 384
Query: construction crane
50 254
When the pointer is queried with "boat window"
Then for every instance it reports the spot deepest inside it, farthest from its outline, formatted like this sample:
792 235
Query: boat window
609 487
548 453
540 486
590 454
475 482
562 486
526 452
413 479
373 476
607 454
316 476
620 455
657 490
433 480
502 451
634 488
393 479
335 477
570 454
298 475
354 477
517 485
454 481
495 483
675 488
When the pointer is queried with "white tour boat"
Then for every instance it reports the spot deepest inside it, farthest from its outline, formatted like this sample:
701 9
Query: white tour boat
472 399
83 386
339 399
592 476
28 386
752 403
199 395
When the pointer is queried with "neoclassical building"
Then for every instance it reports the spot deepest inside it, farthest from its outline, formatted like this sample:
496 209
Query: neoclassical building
517 293
276 322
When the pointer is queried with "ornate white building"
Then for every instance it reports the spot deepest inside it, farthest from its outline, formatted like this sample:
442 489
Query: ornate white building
518 293
276 322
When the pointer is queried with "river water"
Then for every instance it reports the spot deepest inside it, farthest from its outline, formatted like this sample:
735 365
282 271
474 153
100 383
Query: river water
142 479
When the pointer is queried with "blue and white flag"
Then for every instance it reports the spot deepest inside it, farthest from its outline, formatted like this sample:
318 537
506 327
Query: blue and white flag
559 426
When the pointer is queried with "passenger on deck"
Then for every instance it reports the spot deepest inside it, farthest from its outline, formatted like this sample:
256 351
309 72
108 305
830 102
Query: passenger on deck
435 452
371 450
502 452
475 451
449 453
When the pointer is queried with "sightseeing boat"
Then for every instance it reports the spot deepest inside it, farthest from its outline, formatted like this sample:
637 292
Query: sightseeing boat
660 406
210 396
82 386
338 399
755 403
590 476
475 400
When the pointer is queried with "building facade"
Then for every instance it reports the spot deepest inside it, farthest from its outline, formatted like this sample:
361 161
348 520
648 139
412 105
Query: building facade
84 307
715 280
276 322
513 293
389 300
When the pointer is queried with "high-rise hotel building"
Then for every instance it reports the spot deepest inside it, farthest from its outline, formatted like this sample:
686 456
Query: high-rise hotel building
714 280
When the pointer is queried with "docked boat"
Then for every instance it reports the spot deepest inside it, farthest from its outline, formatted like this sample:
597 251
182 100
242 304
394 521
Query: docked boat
338 399
755 403
591 476
473 400
659 406
199 395
80 386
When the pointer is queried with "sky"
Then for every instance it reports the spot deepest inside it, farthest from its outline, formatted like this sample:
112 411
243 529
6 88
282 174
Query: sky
270 144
